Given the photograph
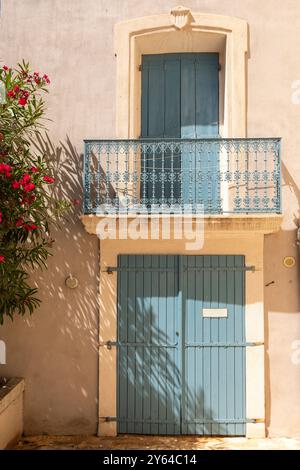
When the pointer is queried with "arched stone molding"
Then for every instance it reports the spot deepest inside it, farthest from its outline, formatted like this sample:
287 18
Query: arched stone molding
182 31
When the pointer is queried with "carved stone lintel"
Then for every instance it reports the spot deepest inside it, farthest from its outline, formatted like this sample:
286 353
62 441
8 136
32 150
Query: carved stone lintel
181 17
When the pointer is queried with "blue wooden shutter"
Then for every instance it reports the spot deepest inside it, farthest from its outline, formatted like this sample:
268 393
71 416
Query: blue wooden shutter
160 119
180 99
161 96
200 119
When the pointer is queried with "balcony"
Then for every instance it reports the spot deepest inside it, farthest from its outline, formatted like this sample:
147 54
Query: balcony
198 176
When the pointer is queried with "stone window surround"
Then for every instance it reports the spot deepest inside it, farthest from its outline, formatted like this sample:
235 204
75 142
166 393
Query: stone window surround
201 33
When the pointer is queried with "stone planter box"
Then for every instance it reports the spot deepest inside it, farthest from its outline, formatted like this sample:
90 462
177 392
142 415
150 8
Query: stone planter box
11 411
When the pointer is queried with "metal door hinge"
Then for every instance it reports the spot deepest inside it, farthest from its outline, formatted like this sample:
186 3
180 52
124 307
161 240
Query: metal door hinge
255 420
107 419
257 343
140 68
220 268
219 67
109 344
111 270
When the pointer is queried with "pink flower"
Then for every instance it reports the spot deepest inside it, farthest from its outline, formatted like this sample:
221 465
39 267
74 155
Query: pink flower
36 77
28 187
16 184
1 217
30 227
5 67
16 89
11 94
22 101
46 78
2 258
76 202
48 179
5 169
33 169
28 199
19 223
26 178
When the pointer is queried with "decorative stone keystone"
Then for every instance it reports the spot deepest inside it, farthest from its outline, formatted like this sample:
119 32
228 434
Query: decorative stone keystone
181 17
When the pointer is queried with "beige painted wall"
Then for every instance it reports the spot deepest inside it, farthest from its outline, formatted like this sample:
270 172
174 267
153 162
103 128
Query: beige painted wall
56 349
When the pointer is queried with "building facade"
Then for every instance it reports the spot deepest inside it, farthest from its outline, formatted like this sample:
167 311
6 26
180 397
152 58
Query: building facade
168 122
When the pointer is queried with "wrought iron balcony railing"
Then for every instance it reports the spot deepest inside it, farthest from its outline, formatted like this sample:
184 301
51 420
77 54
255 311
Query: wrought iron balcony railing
214 176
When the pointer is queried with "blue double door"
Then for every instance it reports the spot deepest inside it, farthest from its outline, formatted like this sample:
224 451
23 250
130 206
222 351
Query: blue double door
181 345
180 100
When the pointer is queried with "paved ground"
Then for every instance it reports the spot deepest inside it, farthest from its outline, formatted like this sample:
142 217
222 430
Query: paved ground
153 443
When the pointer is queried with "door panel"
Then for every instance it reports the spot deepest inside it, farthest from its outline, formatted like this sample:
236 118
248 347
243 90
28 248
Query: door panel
149 377
178 371
214 375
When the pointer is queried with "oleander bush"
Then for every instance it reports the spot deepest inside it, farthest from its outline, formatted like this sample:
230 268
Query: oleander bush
28 202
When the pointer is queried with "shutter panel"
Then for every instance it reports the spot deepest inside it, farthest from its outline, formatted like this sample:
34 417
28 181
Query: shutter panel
200 119
160 119
180 98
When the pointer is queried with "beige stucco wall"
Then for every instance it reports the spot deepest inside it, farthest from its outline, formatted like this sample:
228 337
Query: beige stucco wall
56 349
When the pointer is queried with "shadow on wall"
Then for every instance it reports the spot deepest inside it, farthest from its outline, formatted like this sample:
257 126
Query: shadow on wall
281 294
278 278
292 185
56 349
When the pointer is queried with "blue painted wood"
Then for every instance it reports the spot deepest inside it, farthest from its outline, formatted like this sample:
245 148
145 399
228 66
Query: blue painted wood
168 382
122 378
239 353
214 375
148 359
160 118
223 351
180 98
214 325
200 119
146 298
199 353
230 351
